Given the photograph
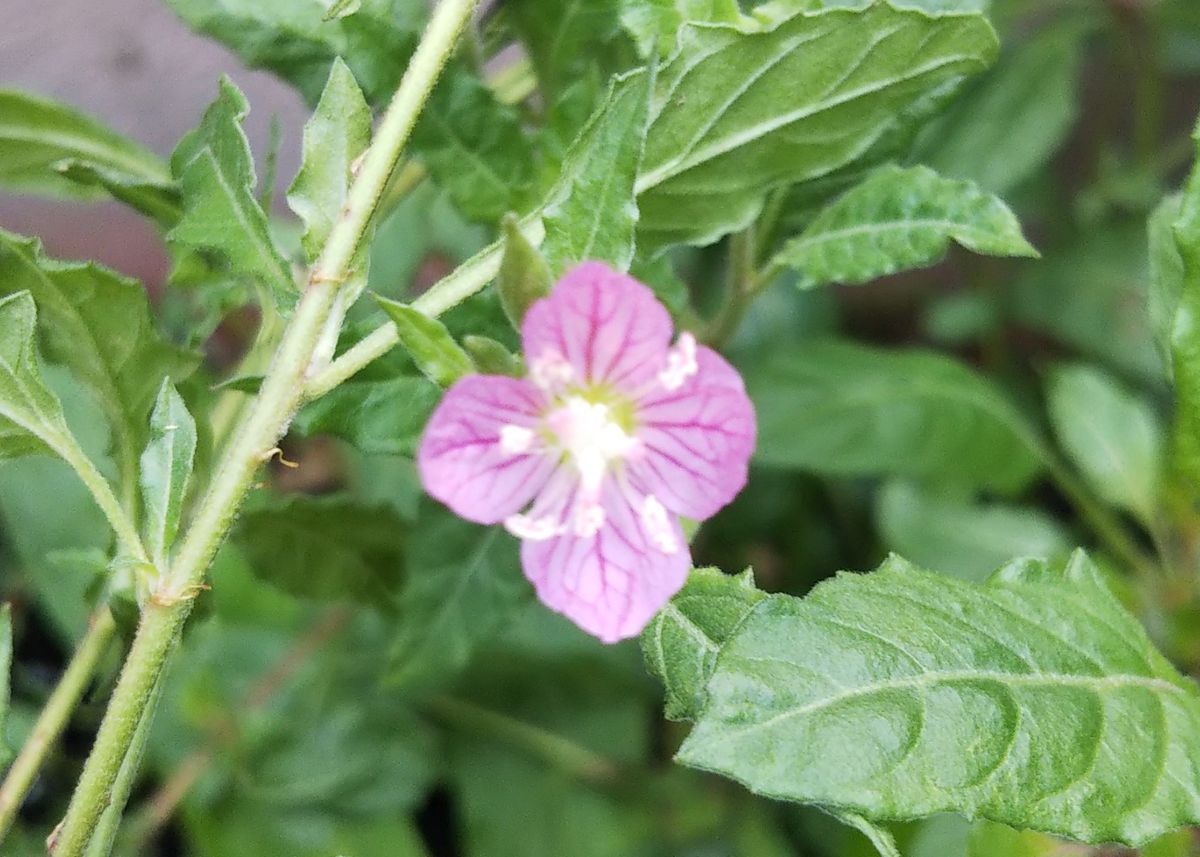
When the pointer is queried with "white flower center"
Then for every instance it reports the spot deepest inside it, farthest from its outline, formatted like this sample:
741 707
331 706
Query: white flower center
591 438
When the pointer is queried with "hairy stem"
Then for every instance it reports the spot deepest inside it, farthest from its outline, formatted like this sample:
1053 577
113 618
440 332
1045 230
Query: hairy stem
102 492
54 716
467 279
264 423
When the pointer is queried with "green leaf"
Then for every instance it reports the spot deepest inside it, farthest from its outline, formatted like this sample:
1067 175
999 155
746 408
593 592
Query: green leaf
338 132
1113 436
899 219
381 416
475 148
166 469
1035 700
1090 294
220 212
463 586
325 548
98 324
682 641
427 341
655 24
524 276
31 417
296 40
47 147
1025 107
566 39
738 112
963 537
593 213
841 409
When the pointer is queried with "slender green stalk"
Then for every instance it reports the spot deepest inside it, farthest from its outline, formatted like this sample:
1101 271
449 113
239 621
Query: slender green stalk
266 420
741 288
54 716
122 524
560 753
1100 518
467 279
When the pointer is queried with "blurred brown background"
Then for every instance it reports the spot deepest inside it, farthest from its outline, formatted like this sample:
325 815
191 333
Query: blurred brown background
135 66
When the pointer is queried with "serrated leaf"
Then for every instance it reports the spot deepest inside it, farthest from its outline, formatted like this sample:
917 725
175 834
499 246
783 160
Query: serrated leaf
682 641
524 276
294 39
961 536
220 212
843 409
1024 107
740 111
166 469
334 137
427 341
325 548
1112 436
898 219
475 147
655 24
50 148
593 213
464 585
31 417
1035 700
98 324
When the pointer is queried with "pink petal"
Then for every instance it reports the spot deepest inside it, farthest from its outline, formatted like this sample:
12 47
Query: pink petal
608 326
610 584
460 459
698 440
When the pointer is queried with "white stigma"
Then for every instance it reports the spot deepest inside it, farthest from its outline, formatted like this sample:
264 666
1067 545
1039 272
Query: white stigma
658 525
681 363
550 371
515 440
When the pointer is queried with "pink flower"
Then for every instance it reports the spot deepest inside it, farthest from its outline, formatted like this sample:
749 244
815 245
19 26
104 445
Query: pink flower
592 459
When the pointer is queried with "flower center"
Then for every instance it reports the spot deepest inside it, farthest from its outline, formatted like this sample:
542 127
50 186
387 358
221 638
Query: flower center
587 432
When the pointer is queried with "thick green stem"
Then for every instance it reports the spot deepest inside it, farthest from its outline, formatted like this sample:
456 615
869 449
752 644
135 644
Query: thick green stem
54 716
264 423
110 821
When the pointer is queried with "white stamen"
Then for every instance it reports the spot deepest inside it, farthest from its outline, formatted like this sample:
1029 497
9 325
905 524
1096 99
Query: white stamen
658 525
681 363
589 519
515 439
534 529
589 435
550 371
